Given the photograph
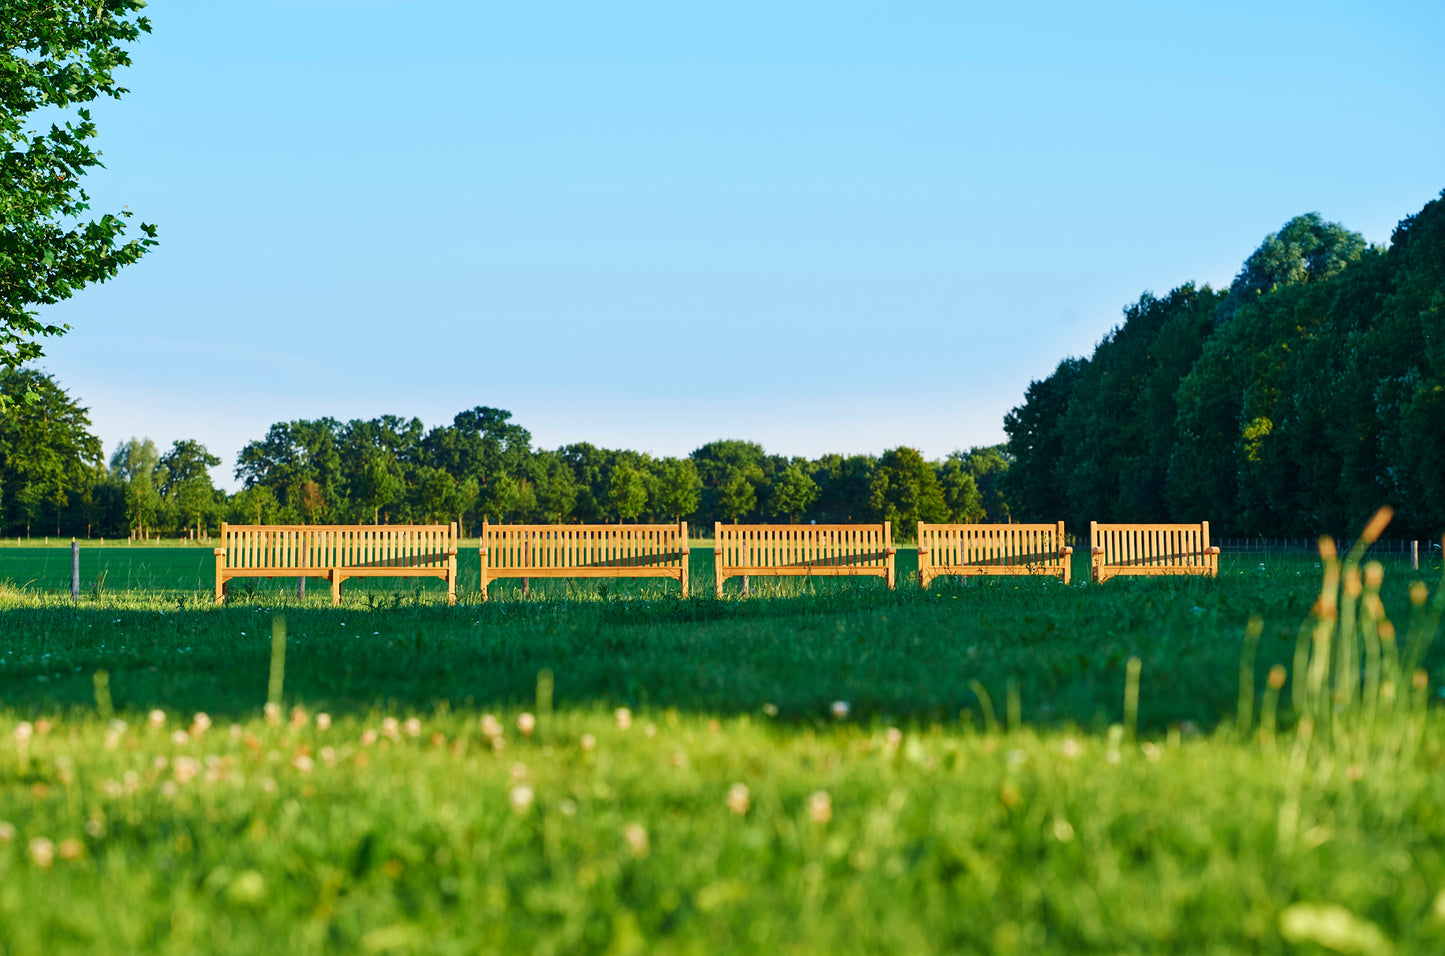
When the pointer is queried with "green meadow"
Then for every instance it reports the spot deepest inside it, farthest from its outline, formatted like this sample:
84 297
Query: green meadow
1246 764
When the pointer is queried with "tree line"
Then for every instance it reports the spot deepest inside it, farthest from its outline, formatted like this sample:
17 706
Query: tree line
392 470
1295 402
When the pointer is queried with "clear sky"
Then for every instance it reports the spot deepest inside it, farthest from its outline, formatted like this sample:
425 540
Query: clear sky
825 227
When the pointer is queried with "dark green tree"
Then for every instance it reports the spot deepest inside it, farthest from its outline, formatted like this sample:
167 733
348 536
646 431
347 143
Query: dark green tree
677 488
906 491
185 483
46 449
794 493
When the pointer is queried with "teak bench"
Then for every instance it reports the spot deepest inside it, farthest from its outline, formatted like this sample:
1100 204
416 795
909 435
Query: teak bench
1116 549
807 549
584 551
969 549
337 552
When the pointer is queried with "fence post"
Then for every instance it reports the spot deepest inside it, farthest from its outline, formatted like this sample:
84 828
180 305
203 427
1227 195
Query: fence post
1415 555
74 570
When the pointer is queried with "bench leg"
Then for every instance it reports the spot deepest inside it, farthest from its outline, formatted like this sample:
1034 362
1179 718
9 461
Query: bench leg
745 585
335 588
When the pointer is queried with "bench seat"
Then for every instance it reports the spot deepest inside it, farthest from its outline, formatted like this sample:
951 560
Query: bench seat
981 549
785 550
1150 549
529 551
337 552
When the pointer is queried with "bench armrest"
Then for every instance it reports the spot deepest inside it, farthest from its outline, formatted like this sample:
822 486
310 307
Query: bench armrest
923 549
1211 550
1096 551
219 552
891 551
717 550
1065 551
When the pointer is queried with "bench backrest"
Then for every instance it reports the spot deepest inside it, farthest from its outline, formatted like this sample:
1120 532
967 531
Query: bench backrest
338 546
990 544
1152 545
820 546
584 545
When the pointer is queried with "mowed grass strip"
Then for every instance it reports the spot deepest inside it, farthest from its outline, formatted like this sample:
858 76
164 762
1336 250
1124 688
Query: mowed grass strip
905 656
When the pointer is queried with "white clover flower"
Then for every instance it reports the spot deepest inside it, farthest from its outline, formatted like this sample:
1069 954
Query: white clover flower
820 807
520 797
738 799
636 836
588 742
156 718
42 851
526 723
412 727
624 717
323 721
840 709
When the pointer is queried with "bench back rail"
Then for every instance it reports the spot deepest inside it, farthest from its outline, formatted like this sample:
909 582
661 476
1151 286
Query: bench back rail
809 549
337 552
970 549
1151 549
585 551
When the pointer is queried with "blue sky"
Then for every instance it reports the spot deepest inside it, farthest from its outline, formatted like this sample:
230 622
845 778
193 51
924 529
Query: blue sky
824 227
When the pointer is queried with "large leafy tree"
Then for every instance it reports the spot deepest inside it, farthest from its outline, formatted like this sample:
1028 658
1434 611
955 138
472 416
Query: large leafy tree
57 56
186 482
46 448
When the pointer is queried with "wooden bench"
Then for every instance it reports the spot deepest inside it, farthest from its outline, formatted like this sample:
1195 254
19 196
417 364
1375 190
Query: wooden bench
337 552
970 549
807 549
1116 549
584 551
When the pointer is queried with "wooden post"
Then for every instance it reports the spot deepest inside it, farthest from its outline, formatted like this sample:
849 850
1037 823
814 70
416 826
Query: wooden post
683 575
526 563
301 589
74 570
1415 555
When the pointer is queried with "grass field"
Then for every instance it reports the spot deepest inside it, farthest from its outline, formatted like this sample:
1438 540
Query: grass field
1017 767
